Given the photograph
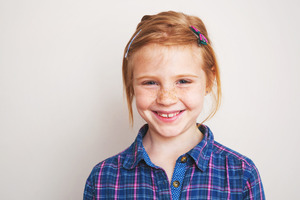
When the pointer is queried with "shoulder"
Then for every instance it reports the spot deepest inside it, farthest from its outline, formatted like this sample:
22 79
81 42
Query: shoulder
103 174
235 161
224 152
108 167
239 165
224 155
114 161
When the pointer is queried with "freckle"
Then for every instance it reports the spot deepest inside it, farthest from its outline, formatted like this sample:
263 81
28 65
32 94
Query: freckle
169 94
152 94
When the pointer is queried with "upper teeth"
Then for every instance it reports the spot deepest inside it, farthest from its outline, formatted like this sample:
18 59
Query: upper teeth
168 115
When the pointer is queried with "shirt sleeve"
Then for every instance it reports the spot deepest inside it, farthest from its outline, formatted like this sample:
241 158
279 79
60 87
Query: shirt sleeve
253 189
89 189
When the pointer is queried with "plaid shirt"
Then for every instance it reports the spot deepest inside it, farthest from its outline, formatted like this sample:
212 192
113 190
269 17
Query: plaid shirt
208 171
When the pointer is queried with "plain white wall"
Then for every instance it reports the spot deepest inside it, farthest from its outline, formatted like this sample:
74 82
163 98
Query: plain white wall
61 100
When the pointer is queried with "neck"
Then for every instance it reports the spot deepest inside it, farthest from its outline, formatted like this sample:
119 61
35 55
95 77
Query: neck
156 144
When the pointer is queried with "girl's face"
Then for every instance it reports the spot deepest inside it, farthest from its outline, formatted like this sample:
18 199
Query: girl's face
169 86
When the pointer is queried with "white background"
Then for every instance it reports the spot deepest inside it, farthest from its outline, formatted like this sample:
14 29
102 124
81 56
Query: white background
61 102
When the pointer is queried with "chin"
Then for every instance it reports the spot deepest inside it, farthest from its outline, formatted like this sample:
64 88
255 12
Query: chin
167 131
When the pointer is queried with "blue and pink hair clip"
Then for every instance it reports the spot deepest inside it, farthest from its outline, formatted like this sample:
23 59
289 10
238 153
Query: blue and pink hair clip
200 36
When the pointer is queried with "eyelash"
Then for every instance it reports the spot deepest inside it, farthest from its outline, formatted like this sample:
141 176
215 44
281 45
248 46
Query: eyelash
181 81
149 83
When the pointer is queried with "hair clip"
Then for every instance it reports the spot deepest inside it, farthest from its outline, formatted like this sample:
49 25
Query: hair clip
200 36
131 42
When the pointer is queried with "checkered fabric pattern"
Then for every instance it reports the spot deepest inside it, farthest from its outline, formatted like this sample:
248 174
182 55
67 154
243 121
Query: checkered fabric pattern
208 171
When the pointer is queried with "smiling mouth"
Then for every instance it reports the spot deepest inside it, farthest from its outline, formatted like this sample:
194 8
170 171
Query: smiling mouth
168 115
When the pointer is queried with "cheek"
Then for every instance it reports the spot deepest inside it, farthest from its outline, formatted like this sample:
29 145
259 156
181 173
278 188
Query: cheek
193 98
144 98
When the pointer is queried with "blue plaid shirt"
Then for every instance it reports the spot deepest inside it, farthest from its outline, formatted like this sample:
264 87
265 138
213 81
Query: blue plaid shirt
208 171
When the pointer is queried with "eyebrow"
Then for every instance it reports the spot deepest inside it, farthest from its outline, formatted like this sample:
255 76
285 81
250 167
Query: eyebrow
179 76
187 75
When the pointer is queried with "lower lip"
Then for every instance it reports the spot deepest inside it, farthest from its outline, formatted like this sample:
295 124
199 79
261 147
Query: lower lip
170 119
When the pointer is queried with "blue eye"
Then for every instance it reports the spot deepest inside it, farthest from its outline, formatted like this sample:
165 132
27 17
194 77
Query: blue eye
149 83
182 81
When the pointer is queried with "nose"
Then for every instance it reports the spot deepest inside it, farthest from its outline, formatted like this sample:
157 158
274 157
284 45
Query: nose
167 97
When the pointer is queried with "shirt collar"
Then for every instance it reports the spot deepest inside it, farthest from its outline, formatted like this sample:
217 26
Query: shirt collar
135 152
200 153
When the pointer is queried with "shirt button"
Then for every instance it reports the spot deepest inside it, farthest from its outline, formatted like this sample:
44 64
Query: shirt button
176 184
183 159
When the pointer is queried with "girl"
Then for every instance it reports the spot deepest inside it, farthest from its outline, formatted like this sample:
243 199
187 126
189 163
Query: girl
169 66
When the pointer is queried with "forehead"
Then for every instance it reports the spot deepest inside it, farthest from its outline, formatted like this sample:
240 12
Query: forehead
151 51
155 56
